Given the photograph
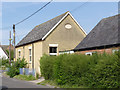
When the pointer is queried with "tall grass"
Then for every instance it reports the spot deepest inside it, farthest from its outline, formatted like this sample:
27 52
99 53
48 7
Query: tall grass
99 70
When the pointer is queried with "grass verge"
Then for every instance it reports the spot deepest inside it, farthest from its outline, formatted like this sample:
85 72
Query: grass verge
53 83
25 77
5 74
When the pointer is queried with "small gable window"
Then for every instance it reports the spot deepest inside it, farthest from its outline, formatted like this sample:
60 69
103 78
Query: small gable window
68 26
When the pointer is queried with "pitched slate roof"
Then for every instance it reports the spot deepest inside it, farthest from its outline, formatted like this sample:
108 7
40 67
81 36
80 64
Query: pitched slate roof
40 31
106 32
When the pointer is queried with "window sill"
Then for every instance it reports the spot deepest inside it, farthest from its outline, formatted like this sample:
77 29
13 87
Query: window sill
30 62
52 54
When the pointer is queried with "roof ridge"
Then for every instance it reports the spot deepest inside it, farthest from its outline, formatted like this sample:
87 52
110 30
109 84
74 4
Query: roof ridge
51 19
112 16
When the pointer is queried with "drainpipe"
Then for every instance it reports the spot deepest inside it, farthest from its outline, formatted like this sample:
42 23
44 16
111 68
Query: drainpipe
33 56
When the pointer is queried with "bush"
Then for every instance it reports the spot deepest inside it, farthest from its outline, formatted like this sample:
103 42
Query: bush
14 69
4 62
12 54
105 74
64 68
47 66
70 67
99 70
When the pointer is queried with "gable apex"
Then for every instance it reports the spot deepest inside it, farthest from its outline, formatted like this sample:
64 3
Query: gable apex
67 13
56 25
77 23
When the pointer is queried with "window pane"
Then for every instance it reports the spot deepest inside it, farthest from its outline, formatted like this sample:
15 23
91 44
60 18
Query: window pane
29 51
19 53
89 54
53 49
30 58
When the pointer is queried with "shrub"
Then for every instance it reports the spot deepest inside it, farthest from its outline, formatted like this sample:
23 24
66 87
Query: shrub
12 54
105 74
14 69
47 66
4 62
64 68
96 71
70 67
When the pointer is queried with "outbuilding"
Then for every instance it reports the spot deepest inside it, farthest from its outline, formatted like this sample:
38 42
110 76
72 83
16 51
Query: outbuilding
105 37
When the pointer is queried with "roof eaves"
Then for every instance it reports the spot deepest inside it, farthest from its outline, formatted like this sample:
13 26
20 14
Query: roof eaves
27 43
97 47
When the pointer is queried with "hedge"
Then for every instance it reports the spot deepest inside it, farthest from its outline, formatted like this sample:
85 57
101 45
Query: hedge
97 71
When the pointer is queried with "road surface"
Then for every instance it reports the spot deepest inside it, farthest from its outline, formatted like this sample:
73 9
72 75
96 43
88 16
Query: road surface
14 83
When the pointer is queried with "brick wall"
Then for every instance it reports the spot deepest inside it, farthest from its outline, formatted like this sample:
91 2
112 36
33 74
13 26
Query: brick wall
100 51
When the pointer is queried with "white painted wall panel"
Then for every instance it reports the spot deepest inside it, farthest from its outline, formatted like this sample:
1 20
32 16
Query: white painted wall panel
3 54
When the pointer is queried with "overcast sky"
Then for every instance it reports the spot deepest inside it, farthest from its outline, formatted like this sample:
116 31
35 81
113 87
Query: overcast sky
88 14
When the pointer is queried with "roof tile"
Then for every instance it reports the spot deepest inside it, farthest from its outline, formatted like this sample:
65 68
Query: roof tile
40 31
106 32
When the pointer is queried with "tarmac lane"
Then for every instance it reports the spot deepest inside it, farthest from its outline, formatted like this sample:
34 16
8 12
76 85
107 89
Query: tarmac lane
14 83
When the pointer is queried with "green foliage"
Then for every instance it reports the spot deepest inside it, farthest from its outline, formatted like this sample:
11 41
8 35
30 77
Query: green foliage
37 75
4 62
104 74
96 71
14 69
12 54
45 65
25 77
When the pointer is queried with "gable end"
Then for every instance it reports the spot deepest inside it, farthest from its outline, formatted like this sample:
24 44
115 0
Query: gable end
68 13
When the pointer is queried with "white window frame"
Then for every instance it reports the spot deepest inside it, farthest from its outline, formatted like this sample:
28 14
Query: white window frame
71 52
53 45
52 54
30 55
68 26
66 52
114 50
19 54
23 51
30 47
88 53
